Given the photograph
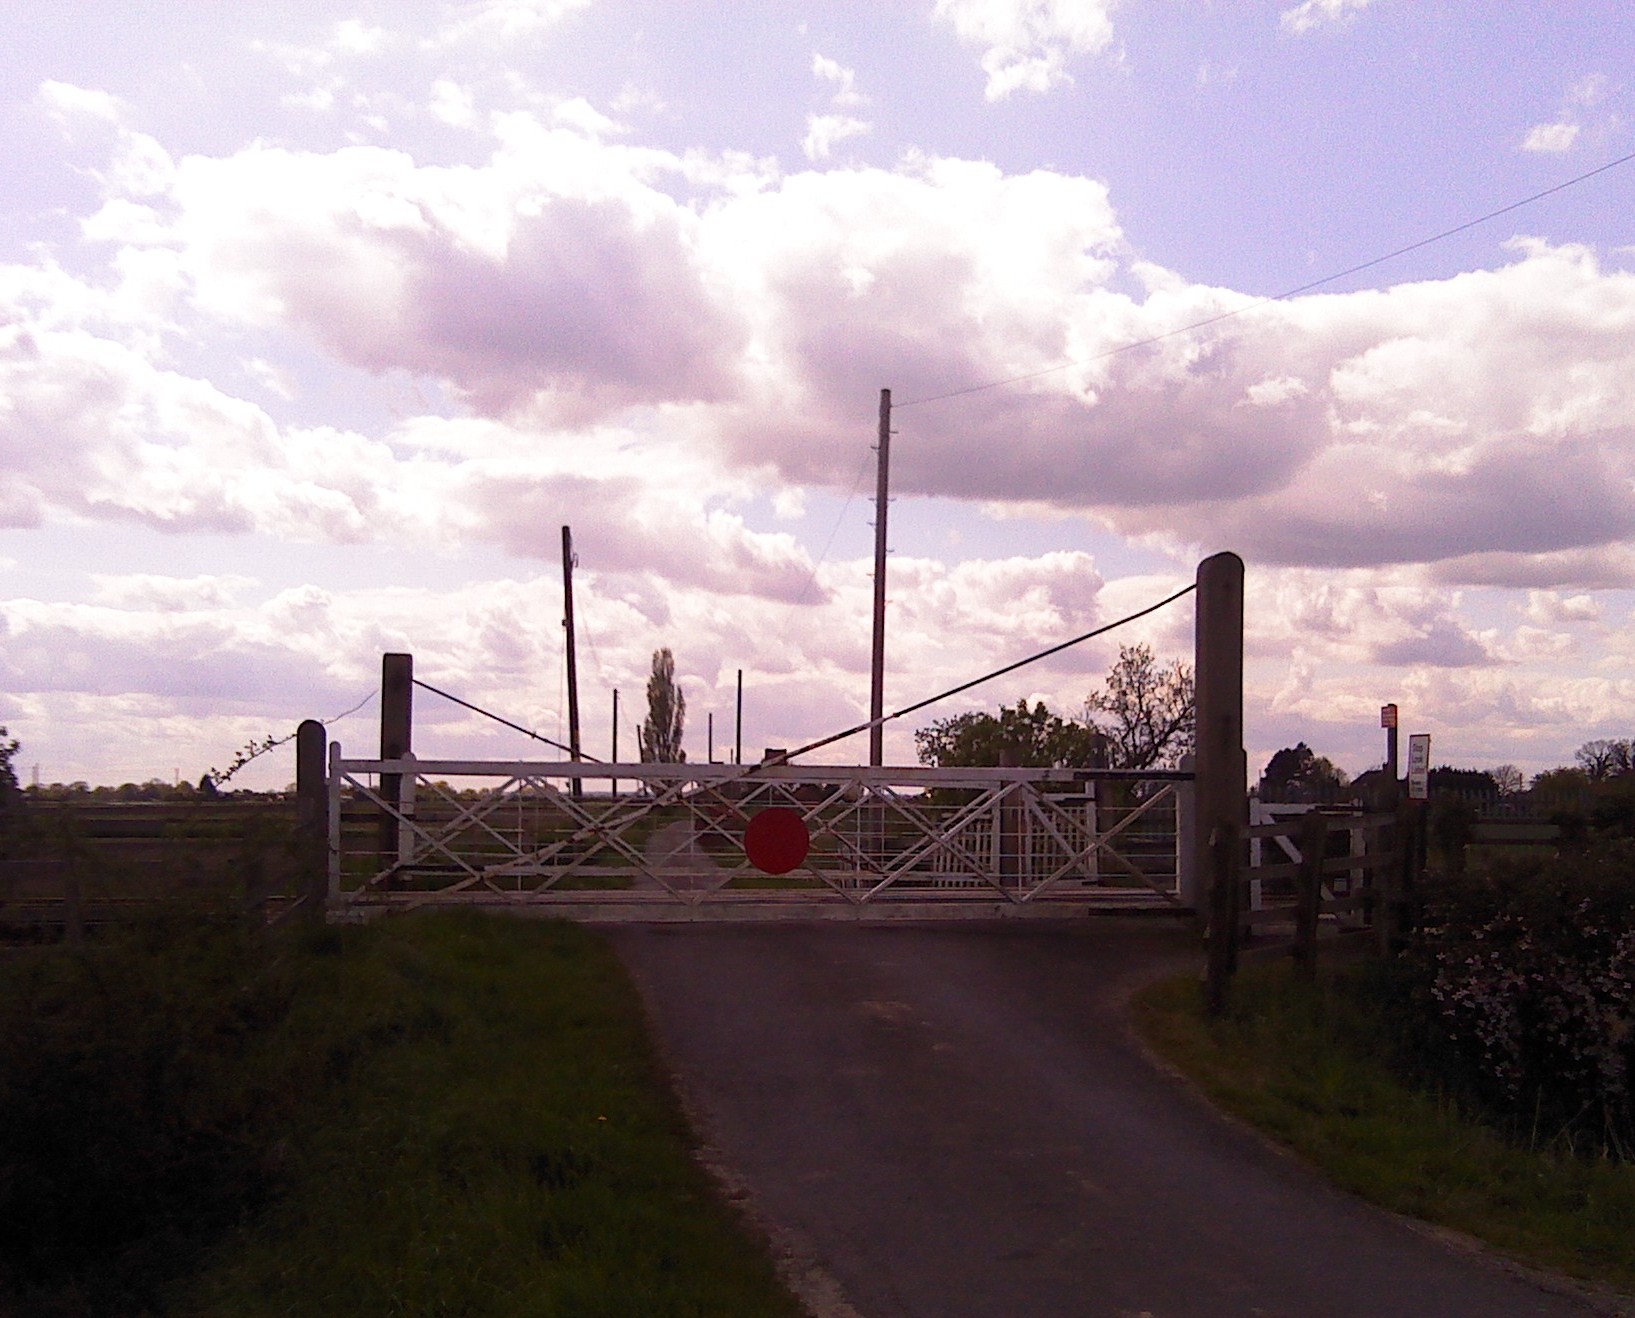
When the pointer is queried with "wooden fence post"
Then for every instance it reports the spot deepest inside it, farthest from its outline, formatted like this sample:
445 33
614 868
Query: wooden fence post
396 741
311 818
1220 780
1225 879
1309 891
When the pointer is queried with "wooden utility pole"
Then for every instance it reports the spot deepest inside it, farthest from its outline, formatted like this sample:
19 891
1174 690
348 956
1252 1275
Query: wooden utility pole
877 665
577 789
738 735
613 785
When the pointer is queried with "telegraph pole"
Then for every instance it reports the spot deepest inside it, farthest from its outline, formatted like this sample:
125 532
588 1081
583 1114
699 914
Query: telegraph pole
877 665
577 789
738 733
613 758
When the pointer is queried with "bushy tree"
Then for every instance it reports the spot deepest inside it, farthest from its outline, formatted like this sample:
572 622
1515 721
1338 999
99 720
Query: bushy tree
11 795
1297 773
1146 710
660 735
1605 758
1035 737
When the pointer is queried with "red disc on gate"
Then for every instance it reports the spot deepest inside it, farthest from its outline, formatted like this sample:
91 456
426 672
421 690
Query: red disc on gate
777 840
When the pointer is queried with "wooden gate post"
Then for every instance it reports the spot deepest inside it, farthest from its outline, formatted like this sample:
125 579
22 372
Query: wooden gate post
1220 789
396 741
311 817
1309 891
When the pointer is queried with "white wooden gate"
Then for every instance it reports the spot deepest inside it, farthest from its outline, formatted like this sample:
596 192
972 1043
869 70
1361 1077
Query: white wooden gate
666 842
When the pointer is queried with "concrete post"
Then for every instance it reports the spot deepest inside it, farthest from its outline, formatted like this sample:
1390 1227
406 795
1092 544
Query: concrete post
311 818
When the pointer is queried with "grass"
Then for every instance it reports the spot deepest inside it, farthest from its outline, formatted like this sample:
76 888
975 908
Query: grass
471 1122
1306 1064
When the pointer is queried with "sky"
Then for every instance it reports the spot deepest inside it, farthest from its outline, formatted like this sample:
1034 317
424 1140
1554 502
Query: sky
318 323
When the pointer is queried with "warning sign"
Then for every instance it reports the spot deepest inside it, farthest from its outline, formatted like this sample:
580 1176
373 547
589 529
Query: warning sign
1419 766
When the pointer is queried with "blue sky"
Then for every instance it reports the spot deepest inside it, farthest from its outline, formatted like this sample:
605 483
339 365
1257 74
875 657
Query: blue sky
316 325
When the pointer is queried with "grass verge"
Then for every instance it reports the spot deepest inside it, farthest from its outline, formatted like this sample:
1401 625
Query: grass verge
468 1121
1307 1065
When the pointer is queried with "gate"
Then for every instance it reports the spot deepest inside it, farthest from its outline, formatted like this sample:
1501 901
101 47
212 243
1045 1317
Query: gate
666 842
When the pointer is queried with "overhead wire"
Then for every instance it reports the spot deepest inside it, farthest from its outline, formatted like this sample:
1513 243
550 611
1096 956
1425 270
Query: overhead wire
857 480
988 677
1257 303
864 726
498 718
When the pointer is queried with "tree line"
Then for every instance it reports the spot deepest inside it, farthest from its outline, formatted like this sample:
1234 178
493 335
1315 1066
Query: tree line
1143 717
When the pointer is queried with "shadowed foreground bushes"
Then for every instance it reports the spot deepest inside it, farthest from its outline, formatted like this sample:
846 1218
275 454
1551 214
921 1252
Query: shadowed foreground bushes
142 1097
1517 995
434 1115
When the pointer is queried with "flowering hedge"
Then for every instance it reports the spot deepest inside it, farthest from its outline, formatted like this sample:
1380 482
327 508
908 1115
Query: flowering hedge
1521 994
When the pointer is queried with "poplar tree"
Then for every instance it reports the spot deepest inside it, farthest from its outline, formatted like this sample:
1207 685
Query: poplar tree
666 713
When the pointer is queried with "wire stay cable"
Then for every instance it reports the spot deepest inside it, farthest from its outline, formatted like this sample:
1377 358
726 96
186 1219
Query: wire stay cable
486 713
988 677
1257 303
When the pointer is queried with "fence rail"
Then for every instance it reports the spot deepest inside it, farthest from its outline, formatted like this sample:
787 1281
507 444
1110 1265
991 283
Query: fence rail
667 841
1311 867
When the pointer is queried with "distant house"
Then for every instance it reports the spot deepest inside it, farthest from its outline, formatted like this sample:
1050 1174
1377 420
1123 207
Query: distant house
1372 787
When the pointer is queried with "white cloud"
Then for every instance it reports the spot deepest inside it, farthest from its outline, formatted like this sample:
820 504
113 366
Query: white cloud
1026 43
452 104
504 21
1316 13
824 131
1550 138
1550 608
844 79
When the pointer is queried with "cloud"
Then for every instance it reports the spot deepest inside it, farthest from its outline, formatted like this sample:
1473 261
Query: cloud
1562 134
1550 608
501 22
1026 43
824 131
531 282
588 296
844 79
1551 139
1313 14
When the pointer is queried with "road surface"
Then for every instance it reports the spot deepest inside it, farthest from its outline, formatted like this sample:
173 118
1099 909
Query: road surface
954 1120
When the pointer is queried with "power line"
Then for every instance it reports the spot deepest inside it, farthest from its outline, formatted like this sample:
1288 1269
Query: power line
857 480
1278 297
998 672
750 770
528 732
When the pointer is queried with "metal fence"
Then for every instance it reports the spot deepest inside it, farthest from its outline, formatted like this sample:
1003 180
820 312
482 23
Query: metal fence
648 841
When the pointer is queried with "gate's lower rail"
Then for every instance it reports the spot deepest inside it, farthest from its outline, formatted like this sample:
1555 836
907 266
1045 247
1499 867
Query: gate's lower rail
666 842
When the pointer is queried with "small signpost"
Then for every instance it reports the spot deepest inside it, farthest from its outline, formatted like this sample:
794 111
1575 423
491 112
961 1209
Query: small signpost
1419 766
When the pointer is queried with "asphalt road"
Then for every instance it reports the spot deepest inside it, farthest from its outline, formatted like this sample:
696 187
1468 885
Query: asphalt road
946 1121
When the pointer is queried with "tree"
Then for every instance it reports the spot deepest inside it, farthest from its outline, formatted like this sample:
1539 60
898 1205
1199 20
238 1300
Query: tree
1297 773
1509 778
1146 710
11 795
1605 758
1035 738
666 713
